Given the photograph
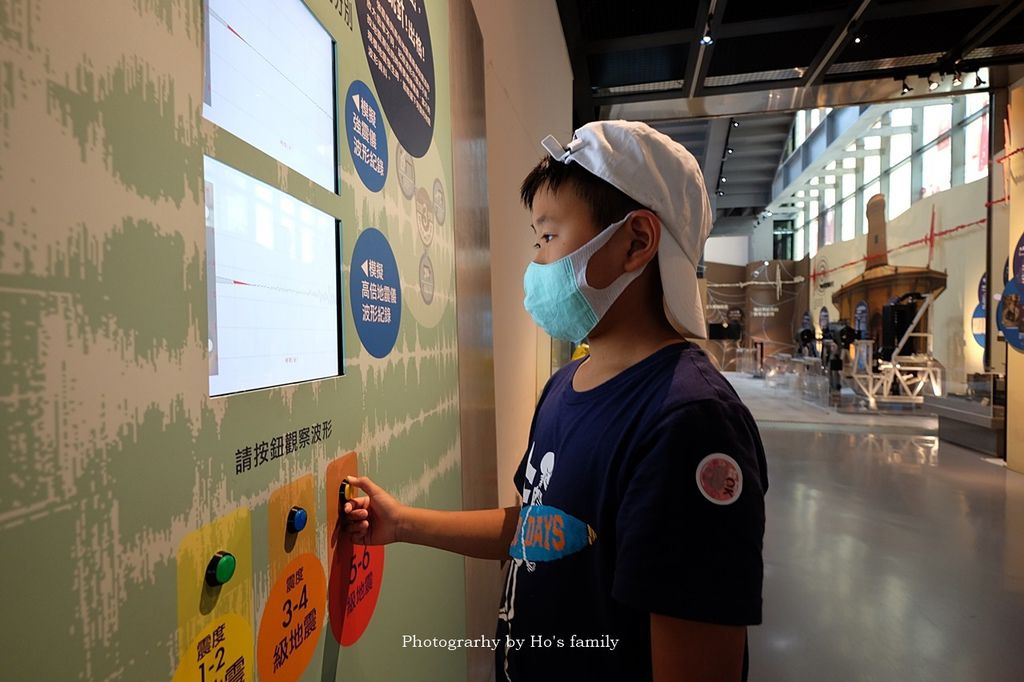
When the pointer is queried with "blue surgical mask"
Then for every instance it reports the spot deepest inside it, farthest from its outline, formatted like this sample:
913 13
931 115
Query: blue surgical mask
558 297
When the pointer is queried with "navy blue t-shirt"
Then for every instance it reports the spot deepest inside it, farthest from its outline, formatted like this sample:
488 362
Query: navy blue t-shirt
644 494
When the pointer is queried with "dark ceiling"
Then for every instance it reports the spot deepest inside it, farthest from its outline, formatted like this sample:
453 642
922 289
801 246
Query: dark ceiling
647 51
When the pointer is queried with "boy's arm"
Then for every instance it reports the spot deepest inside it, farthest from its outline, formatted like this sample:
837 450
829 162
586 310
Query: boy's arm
697 652
379 519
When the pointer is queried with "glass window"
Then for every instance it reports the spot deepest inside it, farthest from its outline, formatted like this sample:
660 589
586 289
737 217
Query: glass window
873 163
976 149
848 218
936 167
798 245
829 226
899 197
849 185
976 101
812 236
830 191
901 117
899 148
937 120
800 127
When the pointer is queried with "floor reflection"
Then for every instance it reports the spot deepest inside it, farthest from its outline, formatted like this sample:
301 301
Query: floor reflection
889 557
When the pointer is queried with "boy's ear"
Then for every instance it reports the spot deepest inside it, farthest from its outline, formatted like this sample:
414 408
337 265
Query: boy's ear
644 231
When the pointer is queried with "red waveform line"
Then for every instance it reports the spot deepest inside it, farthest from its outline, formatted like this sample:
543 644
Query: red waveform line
1004 157
929 238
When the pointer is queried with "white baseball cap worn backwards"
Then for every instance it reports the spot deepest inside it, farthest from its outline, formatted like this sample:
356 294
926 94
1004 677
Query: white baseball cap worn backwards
659 173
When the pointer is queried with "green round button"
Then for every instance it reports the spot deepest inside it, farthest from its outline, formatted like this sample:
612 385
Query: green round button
220 569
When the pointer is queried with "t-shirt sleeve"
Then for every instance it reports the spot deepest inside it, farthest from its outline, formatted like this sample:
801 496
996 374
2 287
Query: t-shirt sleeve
690 524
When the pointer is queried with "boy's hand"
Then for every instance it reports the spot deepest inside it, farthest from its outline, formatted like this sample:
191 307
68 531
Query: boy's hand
371 520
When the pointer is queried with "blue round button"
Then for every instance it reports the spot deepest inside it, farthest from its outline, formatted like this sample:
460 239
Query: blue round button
297 519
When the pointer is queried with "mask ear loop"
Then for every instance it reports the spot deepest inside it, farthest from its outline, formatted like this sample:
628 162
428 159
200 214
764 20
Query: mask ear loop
601 300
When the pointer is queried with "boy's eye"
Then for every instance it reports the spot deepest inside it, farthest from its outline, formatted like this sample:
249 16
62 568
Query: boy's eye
544 238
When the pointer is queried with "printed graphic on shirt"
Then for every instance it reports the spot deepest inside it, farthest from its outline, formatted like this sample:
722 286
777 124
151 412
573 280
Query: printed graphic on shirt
719 478
547 533
544 533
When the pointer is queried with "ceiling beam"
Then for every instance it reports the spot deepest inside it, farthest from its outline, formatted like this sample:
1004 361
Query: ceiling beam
700 71
583 105
833 45
697 48
988 27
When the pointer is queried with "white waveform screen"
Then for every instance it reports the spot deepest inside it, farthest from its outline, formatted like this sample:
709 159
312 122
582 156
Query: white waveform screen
270 81
272 285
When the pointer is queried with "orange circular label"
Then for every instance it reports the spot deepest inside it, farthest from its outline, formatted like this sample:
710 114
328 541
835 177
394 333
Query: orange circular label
356 575
221 653
292 620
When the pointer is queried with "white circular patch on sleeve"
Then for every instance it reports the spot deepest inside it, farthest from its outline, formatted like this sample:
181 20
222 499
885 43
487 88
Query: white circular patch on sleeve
719 478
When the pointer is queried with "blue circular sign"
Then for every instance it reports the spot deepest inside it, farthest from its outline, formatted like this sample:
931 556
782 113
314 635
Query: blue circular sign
1010 314
1018 260
978 322
375 292
367 139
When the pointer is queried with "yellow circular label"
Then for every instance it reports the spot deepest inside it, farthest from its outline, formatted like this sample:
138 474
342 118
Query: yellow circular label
221 653
292 620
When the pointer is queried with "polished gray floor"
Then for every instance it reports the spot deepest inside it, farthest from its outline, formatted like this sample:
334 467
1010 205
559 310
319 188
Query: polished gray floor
888 557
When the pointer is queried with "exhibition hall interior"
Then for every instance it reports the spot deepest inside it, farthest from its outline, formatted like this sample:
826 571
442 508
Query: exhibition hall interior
252 248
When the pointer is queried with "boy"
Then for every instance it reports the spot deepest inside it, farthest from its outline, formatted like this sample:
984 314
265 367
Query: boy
636 553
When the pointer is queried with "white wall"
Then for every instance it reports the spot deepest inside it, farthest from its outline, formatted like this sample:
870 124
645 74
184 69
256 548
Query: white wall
730 249
529 96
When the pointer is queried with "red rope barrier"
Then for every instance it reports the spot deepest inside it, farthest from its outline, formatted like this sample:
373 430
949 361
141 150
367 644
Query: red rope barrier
927 239
1003 159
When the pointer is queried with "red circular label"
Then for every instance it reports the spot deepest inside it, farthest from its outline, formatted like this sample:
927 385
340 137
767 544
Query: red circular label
719 478
353 589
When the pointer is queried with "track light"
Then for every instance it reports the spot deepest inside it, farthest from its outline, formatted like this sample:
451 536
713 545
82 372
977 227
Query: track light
722 179
729 150
978 82
857 40
906 88
720 193
735 123
933 83
957 79
707 39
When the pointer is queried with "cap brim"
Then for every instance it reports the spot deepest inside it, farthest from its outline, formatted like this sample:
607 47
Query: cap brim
683 305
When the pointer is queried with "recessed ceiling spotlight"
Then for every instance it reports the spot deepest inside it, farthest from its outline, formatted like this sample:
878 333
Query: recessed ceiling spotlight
857 40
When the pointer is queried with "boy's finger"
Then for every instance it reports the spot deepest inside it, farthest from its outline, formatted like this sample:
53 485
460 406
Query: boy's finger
364 483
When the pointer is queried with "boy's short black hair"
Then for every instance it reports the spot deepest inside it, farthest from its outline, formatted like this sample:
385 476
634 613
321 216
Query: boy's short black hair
608 204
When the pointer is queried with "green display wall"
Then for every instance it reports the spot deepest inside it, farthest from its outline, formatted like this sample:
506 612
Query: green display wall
114 456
